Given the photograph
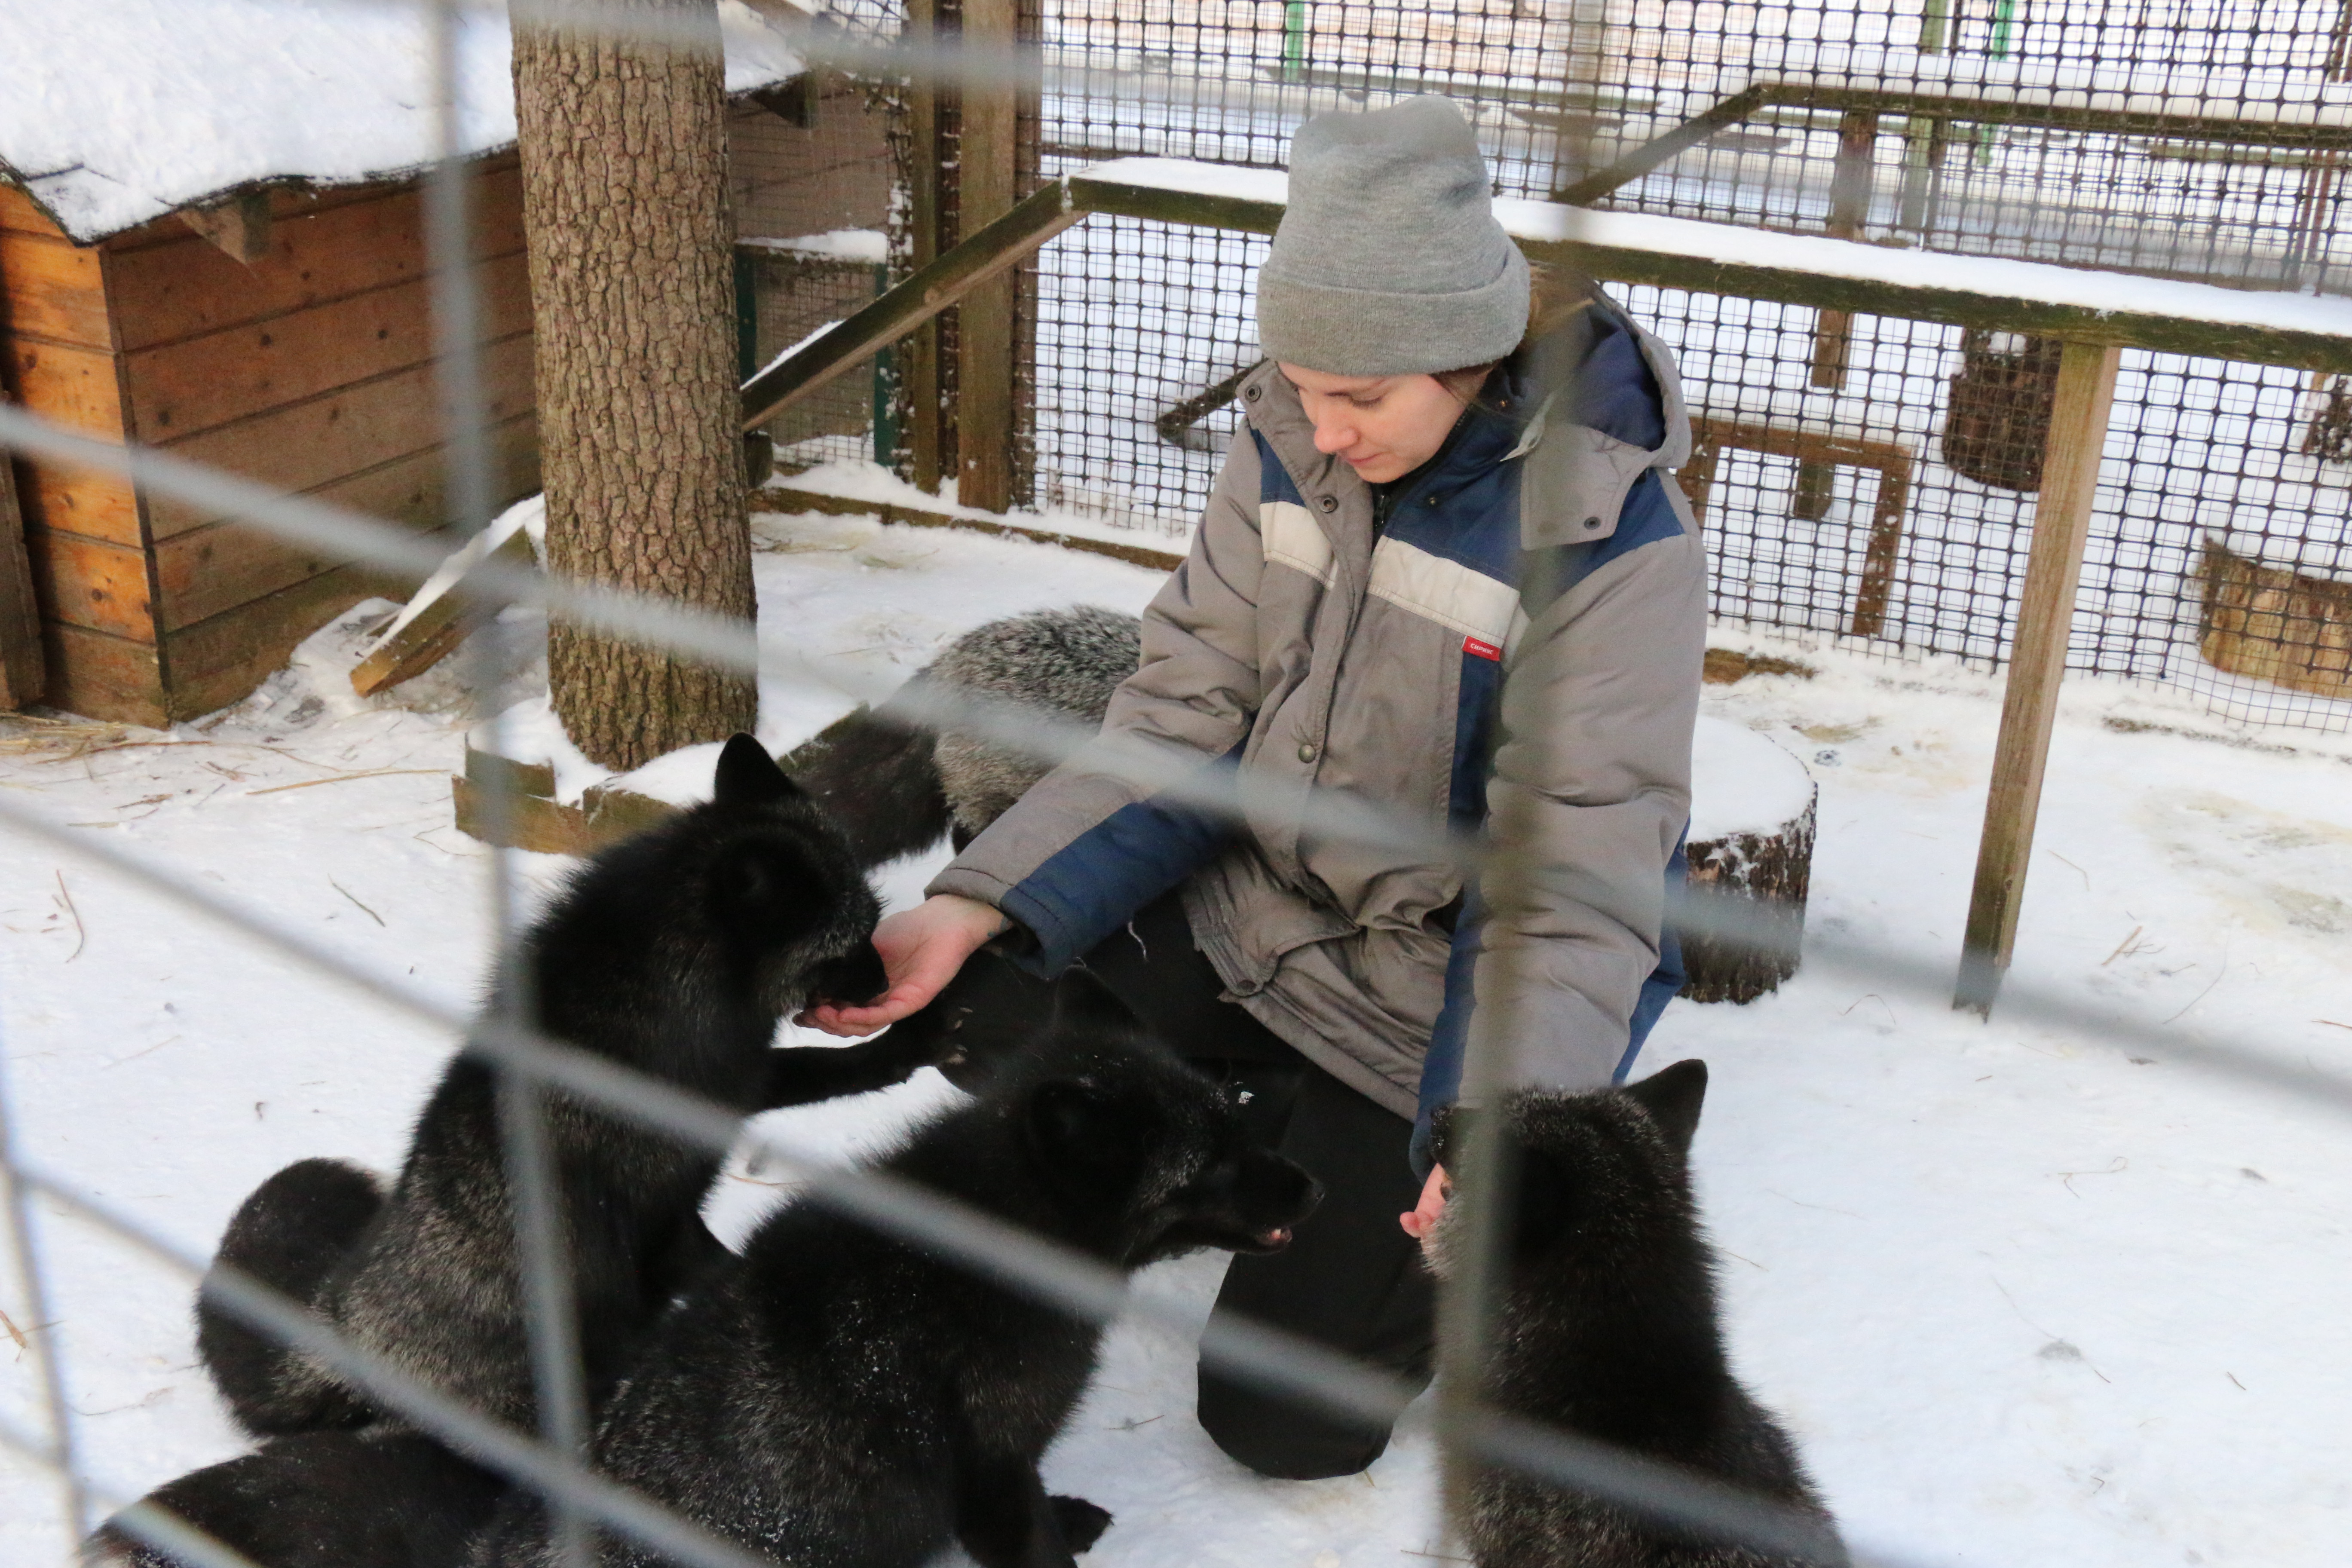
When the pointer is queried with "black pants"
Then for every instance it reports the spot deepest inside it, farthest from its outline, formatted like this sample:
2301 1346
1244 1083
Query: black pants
1350 1278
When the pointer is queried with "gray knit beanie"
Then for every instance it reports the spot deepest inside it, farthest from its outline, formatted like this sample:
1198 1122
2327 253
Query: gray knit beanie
1389 260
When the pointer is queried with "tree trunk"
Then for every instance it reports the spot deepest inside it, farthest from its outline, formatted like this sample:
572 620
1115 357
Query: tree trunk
625 214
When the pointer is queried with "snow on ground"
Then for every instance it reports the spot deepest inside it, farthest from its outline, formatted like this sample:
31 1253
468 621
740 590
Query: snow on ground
2024 1298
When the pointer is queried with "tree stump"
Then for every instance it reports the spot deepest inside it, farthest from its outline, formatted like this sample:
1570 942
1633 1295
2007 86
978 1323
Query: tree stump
1751 840
2287 621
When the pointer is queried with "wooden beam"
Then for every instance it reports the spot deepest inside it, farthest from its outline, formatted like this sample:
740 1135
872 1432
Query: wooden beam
925 392
23 677
787 500
1642 160
2061 526
1850 189
997 246
239 225
984 174
2250 343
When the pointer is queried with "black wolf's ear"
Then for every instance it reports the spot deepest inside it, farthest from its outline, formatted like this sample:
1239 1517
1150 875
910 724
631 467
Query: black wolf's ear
1672 1097
1083 1005
1076 1128
748 776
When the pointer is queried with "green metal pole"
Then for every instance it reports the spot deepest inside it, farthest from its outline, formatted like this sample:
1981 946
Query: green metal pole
1294 40
1932 21
2004 16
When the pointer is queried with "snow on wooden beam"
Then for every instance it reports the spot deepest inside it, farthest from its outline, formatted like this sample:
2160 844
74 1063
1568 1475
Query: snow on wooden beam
2262 327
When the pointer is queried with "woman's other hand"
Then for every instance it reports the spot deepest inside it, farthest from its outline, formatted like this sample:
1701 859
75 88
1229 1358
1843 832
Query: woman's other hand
1417 1224
921 950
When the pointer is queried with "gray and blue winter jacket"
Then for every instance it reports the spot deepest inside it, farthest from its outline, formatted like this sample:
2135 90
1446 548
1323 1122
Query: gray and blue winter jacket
1511 635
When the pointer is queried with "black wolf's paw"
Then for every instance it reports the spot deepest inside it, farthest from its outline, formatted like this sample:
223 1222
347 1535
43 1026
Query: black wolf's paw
1082 1522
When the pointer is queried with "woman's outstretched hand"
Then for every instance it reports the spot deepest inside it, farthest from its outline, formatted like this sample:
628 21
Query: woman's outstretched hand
1417 1224
921 950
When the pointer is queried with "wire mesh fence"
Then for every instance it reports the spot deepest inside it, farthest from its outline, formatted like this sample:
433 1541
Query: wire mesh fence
2194 142
1135 320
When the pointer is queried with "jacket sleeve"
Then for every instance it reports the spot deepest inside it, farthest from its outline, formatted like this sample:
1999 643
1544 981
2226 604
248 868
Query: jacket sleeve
1592 788
1085 848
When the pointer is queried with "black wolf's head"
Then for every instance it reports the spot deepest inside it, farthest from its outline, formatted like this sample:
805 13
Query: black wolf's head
1594 1183
754 892
1143 1157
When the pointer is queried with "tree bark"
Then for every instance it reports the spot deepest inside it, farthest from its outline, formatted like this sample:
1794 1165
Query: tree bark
625 214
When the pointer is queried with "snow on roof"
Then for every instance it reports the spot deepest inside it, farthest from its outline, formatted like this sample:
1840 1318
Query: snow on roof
118 112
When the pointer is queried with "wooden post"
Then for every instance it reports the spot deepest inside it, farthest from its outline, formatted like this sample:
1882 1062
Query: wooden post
926 408
2045 616
984 390
23 676
1833 330
1849 210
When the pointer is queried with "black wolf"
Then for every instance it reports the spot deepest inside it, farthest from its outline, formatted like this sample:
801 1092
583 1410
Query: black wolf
377 1498
839 1397
1607 1327
674 953
896 785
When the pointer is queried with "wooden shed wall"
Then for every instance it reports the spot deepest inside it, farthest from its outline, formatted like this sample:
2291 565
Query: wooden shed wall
309 370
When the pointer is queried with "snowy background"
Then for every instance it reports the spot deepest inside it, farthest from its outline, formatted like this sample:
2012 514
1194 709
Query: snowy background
2024 1298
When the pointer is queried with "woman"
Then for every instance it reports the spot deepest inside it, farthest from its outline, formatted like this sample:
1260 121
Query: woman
1443 570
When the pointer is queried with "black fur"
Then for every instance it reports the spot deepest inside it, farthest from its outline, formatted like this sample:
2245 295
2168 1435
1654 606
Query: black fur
878 778
289 1234
840 1398
674 953
1607 1328
378 1498
895 785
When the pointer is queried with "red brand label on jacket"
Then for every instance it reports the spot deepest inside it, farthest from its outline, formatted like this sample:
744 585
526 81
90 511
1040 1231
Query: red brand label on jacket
1477 649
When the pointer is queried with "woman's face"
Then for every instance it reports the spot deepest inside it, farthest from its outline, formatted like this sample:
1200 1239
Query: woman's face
1383 426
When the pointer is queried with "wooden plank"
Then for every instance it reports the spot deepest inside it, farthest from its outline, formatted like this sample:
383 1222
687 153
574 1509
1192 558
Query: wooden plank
198 383
997 246
19 213
783 499
53 290
1850 190
69 500
77 387
2045 618
92 584
925 399
215 662
348 431
2248 342
206 572
22 679
984 173
102 677
439 626
1661 150
1974 104
164 293
237 227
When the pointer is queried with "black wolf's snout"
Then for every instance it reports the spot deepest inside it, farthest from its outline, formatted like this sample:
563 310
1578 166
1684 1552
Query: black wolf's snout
855 979
1252 1201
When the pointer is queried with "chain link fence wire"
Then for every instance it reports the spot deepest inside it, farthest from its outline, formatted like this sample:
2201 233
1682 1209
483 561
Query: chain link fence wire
1182 296
1872 480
